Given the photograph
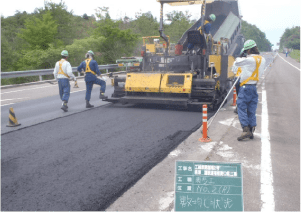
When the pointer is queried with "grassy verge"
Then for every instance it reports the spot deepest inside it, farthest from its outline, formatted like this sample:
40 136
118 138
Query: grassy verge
295 55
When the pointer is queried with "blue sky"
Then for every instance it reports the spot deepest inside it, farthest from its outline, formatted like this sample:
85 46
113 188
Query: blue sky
270 16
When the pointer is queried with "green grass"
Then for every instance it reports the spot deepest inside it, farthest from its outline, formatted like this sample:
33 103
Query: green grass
295 54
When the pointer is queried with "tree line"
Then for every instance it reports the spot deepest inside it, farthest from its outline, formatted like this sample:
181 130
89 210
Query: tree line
35 41
290 38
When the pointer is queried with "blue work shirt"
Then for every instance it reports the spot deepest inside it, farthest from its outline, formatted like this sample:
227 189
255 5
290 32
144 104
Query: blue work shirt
93 66
207 27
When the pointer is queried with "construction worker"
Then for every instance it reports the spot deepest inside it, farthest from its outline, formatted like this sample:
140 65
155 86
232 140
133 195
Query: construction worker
252 68
63 73
204 31
91 70
237 85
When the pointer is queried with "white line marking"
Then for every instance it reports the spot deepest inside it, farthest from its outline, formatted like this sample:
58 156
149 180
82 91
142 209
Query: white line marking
28 89
35 88
13 99
266 190
77 91
289 63
7 104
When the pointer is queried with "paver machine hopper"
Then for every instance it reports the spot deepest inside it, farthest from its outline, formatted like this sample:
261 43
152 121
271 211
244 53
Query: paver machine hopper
191 78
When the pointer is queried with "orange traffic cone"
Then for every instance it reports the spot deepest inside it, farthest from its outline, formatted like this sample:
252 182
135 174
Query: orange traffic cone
12 120
234 97
205 138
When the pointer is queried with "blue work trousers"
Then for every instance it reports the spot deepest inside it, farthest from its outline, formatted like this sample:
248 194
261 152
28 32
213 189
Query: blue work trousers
247 104
64 89
90 80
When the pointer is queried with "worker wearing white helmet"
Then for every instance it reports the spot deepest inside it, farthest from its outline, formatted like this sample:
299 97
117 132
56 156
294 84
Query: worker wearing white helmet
91 69
62 73
252 68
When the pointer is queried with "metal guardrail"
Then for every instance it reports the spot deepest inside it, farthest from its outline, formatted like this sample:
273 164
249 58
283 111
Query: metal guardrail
41 72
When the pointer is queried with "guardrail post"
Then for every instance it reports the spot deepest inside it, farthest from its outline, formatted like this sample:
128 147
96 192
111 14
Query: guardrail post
40 77
107 70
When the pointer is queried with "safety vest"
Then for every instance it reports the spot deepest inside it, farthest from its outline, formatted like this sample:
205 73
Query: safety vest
88 67
61 69
238 72
255 74
200 28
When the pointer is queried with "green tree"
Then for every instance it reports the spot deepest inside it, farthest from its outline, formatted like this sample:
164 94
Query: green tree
145 25
118 43
179 23
290 38
39 33
63 18
252 32
85 16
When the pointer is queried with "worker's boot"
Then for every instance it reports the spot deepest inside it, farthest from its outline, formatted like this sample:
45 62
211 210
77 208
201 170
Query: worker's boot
235 110
88 105
245 134
102 96
64 106
252 129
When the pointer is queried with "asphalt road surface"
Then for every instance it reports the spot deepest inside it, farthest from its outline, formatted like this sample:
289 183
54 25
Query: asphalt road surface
283 98
85 159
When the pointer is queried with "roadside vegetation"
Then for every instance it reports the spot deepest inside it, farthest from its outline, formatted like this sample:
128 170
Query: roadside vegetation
295 54
290 40
252 32
35 41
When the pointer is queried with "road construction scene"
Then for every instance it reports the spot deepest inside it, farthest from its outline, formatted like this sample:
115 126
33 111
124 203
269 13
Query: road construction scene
188 106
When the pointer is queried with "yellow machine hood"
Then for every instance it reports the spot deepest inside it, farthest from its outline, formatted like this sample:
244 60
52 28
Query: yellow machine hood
183 2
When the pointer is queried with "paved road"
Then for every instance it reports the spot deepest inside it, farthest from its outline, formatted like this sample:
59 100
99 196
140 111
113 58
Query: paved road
283 97
39 103
86 160
271 176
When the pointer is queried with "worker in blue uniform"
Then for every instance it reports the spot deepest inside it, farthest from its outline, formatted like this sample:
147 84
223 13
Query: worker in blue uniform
91 69
63 73
252 68
204 31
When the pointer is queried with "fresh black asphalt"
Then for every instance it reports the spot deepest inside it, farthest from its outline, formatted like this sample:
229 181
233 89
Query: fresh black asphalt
87 160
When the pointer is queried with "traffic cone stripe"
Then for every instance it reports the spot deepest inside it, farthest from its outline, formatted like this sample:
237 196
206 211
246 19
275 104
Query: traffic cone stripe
75 84
12 121
234 97
205 138
12 118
